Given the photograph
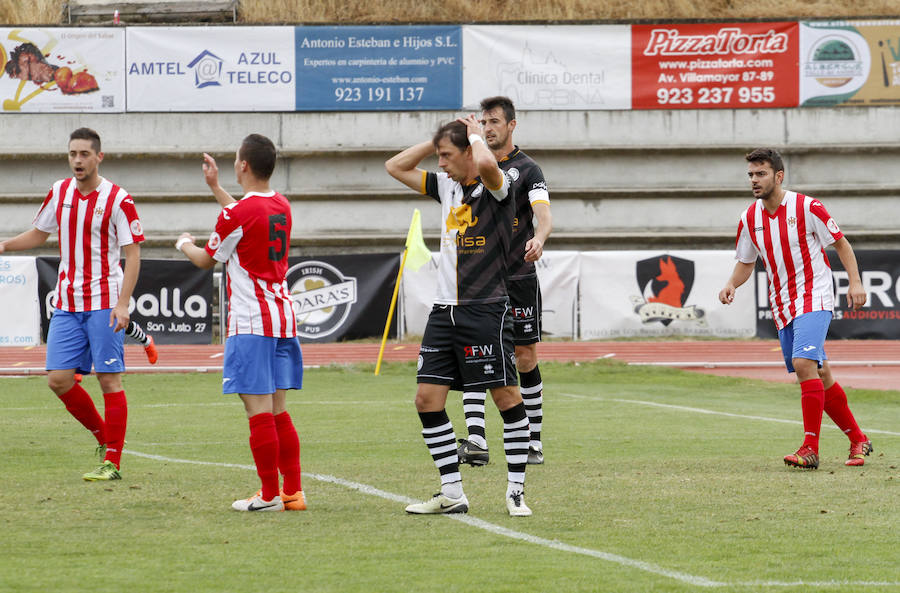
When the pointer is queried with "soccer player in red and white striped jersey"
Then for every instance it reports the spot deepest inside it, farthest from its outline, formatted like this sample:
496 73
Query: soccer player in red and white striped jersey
96 221
790 232
262 352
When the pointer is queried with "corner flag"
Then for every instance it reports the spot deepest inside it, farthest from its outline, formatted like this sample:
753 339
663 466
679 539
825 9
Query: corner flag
417 254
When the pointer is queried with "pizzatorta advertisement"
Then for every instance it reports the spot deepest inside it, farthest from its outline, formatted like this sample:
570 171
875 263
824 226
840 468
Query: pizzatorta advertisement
711 65
62 70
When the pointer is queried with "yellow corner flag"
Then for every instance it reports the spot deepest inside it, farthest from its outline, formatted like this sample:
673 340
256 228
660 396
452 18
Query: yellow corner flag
417 254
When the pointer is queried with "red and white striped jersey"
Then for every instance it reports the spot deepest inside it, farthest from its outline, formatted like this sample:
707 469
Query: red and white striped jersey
252 238
92 229
792 245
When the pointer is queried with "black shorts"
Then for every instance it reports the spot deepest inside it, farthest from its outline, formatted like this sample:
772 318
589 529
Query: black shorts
468 347
525 300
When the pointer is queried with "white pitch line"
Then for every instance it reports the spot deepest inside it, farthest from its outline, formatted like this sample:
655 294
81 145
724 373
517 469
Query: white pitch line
712 412
739 364
536 540
472 521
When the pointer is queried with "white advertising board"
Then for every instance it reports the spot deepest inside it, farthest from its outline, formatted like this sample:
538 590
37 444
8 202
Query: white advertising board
210 69
548 67
62 70
20 323
649 293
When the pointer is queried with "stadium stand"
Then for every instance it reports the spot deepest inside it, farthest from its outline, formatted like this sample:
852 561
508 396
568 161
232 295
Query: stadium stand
618 179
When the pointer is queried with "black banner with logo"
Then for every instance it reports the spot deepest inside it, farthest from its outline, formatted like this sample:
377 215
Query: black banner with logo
172 300
878 319
343 297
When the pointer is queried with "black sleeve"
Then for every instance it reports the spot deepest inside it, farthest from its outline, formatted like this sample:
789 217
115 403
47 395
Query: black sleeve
431 187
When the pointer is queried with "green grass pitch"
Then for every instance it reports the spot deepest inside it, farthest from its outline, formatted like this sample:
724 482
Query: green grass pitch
655 480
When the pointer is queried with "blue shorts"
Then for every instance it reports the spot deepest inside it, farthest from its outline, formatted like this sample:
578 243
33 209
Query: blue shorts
258 365
78 340
804 337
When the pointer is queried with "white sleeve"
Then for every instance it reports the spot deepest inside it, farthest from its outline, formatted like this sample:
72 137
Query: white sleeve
745 251
501 192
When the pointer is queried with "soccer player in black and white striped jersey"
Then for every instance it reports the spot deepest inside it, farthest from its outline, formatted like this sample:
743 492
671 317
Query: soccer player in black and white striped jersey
468 340
529 190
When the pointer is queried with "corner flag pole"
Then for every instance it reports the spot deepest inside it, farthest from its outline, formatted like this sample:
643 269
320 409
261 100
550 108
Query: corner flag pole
419 256
391 311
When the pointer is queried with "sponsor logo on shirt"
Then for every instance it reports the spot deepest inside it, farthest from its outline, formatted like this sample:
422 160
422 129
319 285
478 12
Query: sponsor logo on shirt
136 228
833 226
214 241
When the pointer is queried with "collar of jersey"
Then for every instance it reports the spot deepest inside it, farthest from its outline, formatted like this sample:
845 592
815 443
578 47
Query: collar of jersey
80 196
510 155
267 194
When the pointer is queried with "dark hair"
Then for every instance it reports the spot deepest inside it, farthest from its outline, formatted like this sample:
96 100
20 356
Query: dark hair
504 103
766 155
87 134
259 152
12 66
455 131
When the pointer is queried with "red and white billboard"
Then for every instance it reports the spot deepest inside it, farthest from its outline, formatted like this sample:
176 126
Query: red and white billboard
713 65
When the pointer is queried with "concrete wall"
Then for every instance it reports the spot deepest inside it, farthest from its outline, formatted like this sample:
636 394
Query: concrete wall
617 178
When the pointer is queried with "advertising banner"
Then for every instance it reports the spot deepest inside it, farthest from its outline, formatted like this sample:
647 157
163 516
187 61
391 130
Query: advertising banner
557 273
20 324
172 300
62 70
548 67
878 319
649 293
210 68
715 65
378 67
850 63
342 297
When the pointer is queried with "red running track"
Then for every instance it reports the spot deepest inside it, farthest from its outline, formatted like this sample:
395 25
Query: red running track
863 364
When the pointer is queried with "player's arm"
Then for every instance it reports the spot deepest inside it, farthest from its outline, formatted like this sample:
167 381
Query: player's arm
741 273
404 166
485 161
856 295
534 248
119 316
211 175
198 256
28 240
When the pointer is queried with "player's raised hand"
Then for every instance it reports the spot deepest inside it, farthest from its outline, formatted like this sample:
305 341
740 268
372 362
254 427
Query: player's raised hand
473 125
210 171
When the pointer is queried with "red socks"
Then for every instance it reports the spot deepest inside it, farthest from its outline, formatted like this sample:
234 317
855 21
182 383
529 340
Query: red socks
837 409
288 453
79 403
264 445
116 412
812 401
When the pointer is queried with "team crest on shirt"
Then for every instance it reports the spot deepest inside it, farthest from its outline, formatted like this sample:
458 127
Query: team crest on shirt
98 211
461 219
513 173
792 221
665 282
323 298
